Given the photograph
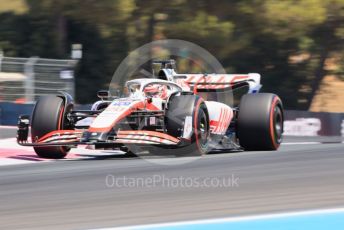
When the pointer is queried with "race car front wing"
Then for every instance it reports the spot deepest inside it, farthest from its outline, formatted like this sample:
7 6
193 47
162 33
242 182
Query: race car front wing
74 137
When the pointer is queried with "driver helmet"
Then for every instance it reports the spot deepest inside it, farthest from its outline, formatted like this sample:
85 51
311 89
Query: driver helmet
156 91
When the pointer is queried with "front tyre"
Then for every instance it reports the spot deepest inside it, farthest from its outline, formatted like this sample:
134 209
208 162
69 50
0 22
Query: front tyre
184 107
47 116
260 121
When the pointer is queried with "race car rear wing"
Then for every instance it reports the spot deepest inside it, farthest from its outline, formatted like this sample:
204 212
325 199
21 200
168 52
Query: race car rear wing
219 82
207 82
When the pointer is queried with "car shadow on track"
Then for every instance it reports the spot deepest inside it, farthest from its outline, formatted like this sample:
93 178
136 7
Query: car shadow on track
224 151
103 157
131 156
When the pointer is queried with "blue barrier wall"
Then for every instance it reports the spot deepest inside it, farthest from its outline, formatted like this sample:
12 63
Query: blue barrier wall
331 124
9 112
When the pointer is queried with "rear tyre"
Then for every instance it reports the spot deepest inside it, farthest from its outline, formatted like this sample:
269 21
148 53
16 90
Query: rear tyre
180 107
260 121
47 116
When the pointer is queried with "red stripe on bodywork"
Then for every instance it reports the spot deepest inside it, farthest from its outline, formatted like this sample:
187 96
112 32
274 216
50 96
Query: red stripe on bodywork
224 122
59 126
218 128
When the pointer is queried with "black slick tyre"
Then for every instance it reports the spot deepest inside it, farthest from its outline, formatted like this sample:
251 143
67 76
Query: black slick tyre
260 121
48 116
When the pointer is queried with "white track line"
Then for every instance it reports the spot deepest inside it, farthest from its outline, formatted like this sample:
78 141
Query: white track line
8 127
9 161
11 143
231 219
303 143
312 143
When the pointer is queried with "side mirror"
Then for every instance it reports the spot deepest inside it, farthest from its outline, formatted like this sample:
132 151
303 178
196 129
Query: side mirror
103 94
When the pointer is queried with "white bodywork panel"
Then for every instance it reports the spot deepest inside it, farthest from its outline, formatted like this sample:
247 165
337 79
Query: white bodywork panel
115 111
187 131
220 116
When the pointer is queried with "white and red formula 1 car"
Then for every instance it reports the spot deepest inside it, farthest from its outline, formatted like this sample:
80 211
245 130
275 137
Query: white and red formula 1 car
185 114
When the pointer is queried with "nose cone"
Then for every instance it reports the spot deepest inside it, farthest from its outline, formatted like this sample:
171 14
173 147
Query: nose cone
115 112
94 136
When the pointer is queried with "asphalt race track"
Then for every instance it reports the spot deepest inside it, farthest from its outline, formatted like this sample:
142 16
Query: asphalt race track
77 193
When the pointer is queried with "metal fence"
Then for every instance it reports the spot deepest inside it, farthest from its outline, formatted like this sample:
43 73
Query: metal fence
23 80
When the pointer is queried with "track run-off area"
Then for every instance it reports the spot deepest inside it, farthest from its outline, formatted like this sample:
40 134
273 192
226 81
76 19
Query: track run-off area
103 189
